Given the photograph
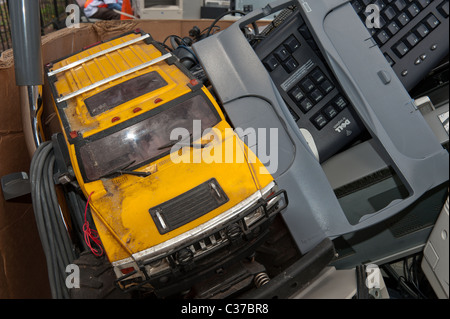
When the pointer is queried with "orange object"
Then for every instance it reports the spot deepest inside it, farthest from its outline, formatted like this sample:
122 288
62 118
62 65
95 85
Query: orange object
126 8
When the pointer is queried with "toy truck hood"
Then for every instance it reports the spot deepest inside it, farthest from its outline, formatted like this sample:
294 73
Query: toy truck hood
135 213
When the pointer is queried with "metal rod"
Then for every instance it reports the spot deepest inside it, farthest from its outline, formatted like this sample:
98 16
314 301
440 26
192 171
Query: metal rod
114 77
26 41
95 55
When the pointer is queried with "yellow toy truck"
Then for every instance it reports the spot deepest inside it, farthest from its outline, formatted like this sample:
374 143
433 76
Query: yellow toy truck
169 208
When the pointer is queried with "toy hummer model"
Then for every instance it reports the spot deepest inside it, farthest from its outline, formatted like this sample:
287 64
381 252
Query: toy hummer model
169 208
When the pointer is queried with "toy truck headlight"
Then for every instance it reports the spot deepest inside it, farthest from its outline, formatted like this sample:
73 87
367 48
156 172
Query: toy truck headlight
271 198
253 217
157 267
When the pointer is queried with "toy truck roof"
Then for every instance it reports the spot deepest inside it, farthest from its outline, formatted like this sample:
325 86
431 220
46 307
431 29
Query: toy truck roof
111 82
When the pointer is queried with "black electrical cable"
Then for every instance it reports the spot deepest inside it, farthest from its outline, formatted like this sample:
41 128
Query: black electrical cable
61 252
35 192
56 242
47 221
400 280
225 14
65 240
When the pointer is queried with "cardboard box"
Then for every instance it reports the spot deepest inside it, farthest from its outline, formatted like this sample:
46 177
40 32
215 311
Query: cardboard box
23 269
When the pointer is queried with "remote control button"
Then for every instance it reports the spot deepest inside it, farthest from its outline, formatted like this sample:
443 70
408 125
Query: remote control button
330 112
292 44
316 95
296 94
319 121
290 65
326 86
317 76
281 53
306 105
307 85
271 63
340 102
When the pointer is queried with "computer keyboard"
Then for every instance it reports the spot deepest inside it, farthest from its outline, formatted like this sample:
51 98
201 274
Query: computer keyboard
412 34
313 96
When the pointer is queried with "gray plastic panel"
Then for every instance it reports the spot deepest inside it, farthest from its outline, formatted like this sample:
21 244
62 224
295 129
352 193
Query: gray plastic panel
400 134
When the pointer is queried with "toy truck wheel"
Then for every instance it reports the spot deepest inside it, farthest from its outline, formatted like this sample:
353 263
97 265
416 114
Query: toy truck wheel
96 279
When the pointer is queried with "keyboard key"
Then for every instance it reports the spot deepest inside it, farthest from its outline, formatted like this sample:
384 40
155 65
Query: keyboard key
317 76
281 53
424 3
422 30
296 94
393 27
444 9
340 102
271 63
319 121
432 21
330 112
292 44
389 59
357 6
316 95
382 37
306 105
326 87
294 115
307 85
304 31
400 49
412 39
390 13
413 10
382 22
381 5
290 65
403 19
400 4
